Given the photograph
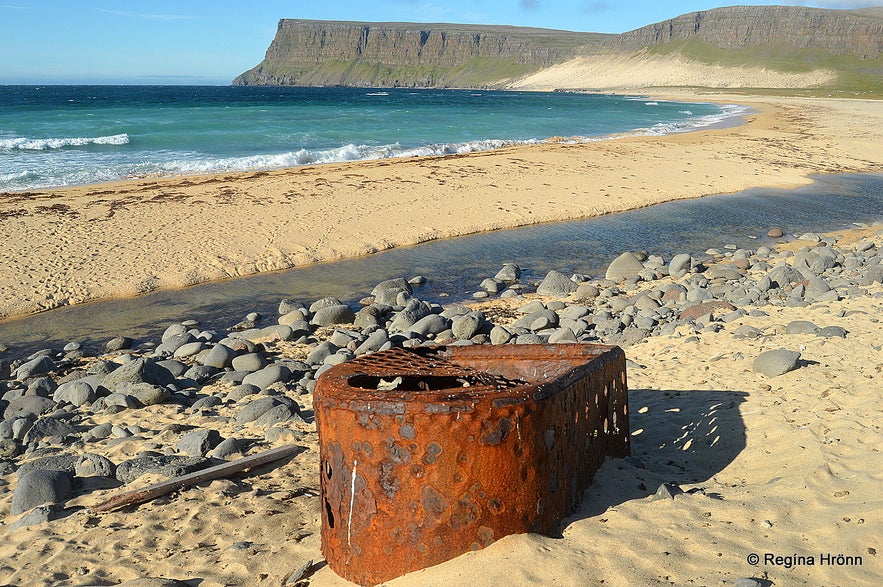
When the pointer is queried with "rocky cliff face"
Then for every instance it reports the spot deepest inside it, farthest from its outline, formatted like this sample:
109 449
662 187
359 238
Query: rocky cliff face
308 52
322 53
857 33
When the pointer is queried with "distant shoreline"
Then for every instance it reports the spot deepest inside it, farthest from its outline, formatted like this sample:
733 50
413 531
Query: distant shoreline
124 238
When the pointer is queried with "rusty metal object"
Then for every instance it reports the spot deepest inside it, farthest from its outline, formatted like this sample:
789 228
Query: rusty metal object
428 453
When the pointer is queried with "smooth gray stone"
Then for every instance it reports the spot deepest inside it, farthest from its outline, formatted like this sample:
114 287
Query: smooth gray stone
417 280
407 317
378 338
118 343
784 275
37 366
201 373
78 393
173 342
680 264
331 315
241 391
747 582
39 487
268 375
294 316
219 357
562 335
189 349
532 307
725 273
832 332
431 324
322 351
173 330
749 332
527 320
199 442
325 302
257 408
92 465
175 367
626 266
556 284
149 395
500 335
122 400
206 402
276 415
586 291
509 273
801 327
529 338
466 326
227 448
398 283
492 285
776 362
165 465
28 406
250 362
143 370
286 306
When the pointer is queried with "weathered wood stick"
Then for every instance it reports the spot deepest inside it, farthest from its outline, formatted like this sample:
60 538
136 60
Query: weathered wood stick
138 496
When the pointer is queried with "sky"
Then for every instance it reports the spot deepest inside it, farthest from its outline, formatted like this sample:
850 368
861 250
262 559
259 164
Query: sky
213 41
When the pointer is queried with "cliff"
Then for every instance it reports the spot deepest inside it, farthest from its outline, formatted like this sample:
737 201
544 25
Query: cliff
846 44
323 53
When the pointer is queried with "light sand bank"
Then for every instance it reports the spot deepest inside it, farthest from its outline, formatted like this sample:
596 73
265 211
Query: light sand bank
120 239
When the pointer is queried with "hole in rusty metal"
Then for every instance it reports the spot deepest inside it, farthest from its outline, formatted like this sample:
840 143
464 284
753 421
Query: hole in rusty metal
330 514
411 382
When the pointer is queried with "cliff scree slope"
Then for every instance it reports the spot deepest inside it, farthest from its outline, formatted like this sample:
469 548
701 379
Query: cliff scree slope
782 38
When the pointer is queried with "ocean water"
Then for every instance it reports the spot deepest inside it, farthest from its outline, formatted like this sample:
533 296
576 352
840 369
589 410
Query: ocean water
73 135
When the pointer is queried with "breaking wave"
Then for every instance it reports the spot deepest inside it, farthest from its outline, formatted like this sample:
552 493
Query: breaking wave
29 144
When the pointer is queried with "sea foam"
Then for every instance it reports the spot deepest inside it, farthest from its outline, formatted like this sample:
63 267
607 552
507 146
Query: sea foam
31 144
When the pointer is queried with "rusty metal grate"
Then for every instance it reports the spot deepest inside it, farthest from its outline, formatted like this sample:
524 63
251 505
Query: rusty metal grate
428 453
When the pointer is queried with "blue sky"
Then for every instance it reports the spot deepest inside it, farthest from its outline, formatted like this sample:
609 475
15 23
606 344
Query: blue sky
212 41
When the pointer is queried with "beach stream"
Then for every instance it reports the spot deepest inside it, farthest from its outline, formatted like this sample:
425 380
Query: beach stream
455 267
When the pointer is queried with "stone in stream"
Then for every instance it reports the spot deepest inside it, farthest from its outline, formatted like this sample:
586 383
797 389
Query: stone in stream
39 487
775 232
776 362
509 273
492 285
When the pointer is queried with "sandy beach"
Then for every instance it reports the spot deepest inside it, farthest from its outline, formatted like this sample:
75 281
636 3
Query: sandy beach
73 245
785 467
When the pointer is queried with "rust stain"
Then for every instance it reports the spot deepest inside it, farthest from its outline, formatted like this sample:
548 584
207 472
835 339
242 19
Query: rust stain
431 452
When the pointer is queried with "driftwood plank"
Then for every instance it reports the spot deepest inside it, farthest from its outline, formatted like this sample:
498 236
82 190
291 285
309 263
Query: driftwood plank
138 496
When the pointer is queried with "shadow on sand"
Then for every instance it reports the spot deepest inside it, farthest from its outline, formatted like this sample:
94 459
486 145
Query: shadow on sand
678 437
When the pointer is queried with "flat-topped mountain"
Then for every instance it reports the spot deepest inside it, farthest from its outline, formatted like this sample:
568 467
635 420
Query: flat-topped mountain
845 44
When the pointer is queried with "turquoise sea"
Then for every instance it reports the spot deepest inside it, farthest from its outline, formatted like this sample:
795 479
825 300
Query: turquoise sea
74 135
